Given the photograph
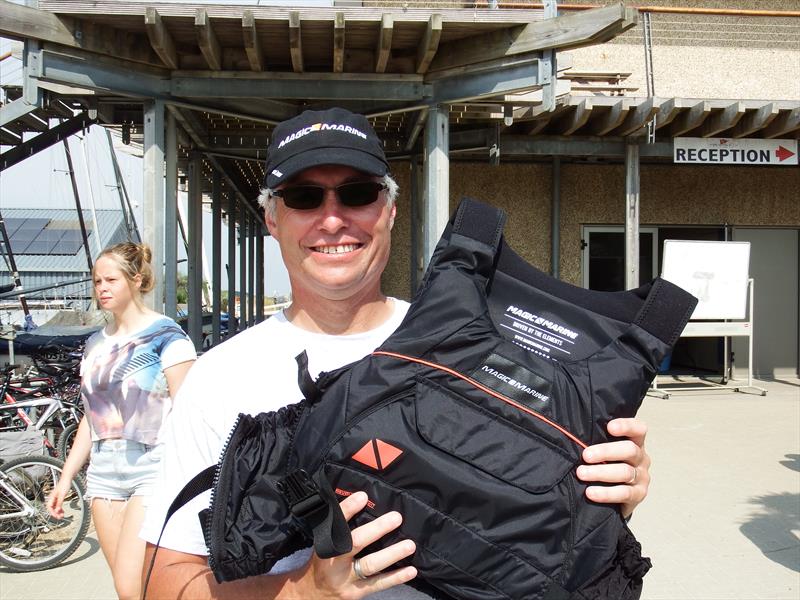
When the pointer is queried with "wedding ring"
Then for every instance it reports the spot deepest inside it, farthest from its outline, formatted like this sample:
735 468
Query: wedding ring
357 569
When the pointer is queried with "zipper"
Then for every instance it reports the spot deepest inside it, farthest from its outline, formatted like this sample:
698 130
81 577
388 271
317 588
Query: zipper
484 389
215 520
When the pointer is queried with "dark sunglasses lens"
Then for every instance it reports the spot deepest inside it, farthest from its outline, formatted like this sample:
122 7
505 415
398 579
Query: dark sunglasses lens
303 197
359 193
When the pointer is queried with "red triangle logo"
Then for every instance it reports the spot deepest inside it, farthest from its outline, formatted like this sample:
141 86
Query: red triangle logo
366 456
387 453
377 454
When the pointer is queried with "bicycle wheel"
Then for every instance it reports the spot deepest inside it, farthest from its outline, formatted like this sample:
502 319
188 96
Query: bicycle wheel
38 541
65 439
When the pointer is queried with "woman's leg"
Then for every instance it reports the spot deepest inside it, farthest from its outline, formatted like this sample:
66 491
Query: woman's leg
107 518
117 523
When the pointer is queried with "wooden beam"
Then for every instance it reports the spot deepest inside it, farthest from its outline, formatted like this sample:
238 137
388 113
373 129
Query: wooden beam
160 38
786 122
570 31
252 45
638 117
384 49
295 41
578 118
207 40
722 119
667 112
690 119
755 120
338 43
21 22
427 50
610 120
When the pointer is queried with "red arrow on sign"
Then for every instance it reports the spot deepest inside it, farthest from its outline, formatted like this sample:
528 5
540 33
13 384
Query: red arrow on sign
783 153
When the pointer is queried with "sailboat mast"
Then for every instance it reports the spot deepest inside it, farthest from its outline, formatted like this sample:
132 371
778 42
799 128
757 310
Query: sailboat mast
78 205
13 264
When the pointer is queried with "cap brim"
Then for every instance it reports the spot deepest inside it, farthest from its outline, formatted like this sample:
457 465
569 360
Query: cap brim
347 157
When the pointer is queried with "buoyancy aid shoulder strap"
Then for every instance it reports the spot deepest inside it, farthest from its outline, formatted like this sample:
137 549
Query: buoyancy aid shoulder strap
198 484
477 229
666 311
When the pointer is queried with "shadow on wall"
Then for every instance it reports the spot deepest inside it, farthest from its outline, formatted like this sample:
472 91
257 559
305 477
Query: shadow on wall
770 527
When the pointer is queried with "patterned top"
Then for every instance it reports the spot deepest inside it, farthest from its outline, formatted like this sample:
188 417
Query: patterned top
123 386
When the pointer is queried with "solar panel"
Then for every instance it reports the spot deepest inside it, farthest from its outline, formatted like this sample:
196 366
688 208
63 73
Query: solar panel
12 225
40 246
67 247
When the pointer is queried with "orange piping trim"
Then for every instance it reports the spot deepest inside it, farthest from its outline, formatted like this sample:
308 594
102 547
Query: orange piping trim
483 388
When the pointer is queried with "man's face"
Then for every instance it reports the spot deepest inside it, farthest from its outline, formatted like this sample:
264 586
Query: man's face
334 251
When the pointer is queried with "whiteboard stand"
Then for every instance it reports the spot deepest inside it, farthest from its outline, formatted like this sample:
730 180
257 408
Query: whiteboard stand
720 329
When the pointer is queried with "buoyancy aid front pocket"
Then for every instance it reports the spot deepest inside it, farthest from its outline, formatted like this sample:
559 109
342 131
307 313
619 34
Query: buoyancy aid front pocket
485 440
450 555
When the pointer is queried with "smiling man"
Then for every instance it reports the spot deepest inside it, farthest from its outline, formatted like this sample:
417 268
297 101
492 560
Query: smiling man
329 201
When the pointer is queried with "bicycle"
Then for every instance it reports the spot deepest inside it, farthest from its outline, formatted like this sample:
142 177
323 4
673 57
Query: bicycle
31 539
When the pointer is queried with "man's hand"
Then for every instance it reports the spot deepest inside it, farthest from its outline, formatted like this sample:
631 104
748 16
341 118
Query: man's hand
337 578
626 464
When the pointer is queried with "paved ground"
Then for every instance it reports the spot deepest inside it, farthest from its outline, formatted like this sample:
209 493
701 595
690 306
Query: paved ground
722 521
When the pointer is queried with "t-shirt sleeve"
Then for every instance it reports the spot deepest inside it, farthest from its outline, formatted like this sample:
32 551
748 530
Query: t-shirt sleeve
190 445
177 351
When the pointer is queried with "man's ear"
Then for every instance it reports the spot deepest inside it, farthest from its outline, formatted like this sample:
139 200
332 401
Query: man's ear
392 215
272 227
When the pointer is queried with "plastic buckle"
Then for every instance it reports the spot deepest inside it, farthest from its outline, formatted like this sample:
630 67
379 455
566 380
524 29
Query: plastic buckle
301 493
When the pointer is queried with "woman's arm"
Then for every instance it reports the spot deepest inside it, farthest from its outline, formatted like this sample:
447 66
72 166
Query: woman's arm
78 455
175 376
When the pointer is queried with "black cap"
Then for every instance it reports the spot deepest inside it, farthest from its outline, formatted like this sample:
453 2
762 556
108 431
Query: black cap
323 137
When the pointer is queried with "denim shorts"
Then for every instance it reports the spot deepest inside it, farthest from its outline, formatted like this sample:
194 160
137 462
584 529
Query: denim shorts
119 469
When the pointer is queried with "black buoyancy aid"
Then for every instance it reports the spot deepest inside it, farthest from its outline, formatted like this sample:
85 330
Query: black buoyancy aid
470 421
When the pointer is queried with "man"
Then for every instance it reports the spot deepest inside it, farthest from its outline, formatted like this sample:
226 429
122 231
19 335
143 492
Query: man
330 204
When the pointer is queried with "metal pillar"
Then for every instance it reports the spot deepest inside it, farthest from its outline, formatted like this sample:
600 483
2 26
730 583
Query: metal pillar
631 216
76 196
415 228
171 220
195 266
243 217
216 257
259 233
232 327
251 271
555 219
153 231
437 179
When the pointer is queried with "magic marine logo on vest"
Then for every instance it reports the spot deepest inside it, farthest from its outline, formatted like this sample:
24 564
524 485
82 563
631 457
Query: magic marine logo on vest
517 385
513 380
321 127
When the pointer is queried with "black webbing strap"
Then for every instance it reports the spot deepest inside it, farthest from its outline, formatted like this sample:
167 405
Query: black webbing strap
198 484
304 380
666 311
316 505
480 222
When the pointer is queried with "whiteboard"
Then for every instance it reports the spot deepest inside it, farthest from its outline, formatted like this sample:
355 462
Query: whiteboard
716 273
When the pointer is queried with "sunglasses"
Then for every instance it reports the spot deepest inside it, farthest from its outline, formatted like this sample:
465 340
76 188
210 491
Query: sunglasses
309 197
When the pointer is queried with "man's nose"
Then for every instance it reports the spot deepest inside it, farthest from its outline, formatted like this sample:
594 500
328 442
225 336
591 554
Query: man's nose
332 210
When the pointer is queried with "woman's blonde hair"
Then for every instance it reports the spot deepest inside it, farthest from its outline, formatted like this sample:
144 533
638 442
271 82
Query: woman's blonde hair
132 259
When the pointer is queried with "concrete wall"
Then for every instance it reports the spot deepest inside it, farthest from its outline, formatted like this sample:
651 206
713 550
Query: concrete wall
594 195
707 56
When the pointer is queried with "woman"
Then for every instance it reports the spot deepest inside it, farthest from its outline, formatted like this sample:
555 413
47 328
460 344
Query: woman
130 373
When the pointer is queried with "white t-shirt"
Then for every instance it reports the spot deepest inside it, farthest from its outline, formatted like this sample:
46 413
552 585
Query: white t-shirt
253 372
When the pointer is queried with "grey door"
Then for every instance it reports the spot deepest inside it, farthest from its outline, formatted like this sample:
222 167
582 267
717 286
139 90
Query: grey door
776 318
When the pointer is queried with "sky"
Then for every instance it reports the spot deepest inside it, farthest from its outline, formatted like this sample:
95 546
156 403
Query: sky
42 181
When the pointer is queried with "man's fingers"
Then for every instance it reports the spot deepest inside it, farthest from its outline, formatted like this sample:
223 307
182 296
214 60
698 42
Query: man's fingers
634 429
623 451
375 563
353 504
613 473
374 530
